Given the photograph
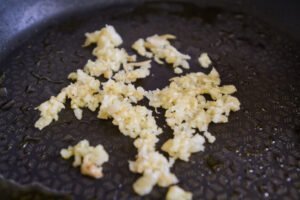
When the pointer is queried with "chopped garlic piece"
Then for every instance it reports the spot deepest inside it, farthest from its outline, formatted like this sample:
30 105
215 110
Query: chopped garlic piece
177 193
145 184
161 48
72 76
139 46
210 137
90 159
178 70
228 89
204 60
78 113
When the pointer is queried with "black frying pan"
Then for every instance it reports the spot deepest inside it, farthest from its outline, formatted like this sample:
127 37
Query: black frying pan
256 155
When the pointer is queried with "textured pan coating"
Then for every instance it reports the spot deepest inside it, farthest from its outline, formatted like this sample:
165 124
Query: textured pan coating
256 155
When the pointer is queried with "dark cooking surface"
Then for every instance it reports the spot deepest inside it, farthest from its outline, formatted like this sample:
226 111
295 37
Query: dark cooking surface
256 154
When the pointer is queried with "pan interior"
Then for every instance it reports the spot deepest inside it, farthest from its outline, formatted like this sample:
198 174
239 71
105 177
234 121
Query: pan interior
256 155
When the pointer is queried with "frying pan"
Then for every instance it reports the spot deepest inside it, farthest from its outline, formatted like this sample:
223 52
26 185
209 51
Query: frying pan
253 44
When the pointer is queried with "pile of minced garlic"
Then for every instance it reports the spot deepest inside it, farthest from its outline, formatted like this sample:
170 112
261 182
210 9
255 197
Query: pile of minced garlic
188 111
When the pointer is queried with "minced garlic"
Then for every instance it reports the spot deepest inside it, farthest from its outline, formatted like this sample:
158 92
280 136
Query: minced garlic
182 146
122 91
137 122
177 193
131 120
90 159
50 109
204 60
161 48
210 138
139 46
84 93
110 58
129 74
155 169
106 37
187 109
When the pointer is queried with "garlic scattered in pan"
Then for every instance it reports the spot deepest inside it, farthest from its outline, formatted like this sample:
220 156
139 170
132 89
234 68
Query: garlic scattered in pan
188 112
90 159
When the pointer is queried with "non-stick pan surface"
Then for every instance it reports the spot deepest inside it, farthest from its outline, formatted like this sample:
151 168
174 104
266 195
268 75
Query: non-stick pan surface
256 155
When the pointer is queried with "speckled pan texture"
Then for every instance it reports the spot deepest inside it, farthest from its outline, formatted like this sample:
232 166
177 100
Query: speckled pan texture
256 155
